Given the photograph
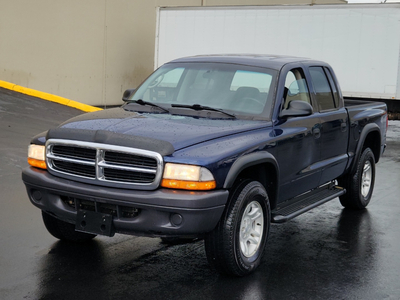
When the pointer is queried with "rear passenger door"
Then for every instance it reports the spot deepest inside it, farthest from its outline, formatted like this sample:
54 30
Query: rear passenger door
334 123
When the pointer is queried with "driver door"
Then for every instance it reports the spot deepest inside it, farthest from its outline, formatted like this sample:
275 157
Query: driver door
299 143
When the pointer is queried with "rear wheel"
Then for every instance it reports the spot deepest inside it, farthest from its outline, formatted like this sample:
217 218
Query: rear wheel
236 245
63 230
359 184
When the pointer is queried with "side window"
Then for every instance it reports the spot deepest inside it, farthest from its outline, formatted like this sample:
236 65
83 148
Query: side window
322 89
333 85
295 88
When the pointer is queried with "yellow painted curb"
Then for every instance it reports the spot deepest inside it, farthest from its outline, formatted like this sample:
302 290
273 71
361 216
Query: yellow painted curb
48 97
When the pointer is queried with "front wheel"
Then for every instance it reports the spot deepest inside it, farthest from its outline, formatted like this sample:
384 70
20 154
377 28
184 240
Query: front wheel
359 184
236 245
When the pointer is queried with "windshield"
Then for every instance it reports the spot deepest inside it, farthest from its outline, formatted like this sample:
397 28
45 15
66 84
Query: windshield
241 90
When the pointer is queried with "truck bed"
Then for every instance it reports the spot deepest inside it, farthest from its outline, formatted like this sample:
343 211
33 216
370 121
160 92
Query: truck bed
350 102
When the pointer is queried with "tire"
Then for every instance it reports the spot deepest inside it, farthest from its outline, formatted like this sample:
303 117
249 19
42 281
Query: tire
236 245
359 185
64 231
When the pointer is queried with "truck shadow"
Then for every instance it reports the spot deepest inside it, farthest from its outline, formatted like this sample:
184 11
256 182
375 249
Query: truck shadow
303 260
69 271
318 256
107 269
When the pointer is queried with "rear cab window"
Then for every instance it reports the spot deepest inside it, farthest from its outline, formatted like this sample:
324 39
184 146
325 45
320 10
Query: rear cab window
326 99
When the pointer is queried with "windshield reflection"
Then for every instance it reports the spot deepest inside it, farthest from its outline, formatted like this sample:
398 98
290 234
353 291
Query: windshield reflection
237 89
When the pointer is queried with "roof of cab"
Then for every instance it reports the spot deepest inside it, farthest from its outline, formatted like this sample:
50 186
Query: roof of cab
258 60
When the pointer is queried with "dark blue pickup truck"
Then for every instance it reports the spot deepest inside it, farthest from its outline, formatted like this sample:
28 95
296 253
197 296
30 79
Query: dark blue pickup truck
216 147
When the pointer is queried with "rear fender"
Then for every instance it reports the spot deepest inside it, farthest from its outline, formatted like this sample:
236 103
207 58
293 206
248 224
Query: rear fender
369 128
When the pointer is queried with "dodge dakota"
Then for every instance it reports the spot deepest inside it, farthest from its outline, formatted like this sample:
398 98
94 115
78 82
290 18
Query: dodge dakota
215 147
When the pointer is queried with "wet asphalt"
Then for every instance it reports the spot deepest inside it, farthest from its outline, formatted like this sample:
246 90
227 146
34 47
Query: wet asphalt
327 253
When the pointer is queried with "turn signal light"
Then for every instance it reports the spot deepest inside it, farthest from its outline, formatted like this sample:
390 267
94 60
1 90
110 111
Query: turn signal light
187 177
37 163
188 185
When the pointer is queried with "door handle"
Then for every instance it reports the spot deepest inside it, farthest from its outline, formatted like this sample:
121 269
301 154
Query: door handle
343 126
317 133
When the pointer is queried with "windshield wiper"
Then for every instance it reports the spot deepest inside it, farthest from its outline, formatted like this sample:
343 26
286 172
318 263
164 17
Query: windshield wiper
142 102
201 107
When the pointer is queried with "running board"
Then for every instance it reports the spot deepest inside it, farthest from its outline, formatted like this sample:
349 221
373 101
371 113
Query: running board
304 203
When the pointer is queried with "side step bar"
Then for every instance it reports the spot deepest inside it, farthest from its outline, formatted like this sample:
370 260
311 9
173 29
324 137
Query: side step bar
304 203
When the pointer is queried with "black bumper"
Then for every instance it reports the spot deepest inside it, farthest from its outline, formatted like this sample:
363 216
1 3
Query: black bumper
162 212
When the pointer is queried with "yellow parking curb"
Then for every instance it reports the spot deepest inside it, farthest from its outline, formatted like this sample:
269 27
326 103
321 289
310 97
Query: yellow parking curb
48 97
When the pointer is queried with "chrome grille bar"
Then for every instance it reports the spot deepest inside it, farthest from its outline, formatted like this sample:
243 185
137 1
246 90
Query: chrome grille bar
126 167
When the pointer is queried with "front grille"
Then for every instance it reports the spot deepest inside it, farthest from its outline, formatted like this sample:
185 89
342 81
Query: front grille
104 164
129 159
128 176
74 168
119 211
74 152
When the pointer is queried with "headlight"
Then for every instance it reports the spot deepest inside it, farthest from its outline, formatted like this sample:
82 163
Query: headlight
36 156
187 177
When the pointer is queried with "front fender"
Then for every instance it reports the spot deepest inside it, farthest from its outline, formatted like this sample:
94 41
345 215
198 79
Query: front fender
247 161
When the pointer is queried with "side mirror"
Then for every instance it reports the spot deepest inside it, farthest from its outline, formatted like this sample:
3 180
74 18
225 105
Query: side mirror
297 108
126 96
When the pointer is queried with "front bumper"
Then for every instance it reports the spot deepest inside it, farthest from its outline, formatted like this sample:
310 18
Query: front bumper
161 212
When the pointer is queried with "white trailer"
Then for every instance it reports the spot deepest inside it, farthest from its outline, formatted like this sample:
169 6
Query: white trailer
361 42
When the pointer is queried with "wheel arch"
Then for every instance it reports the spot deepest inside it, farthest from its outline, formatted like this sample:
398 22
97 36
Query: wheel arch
370 137
259 166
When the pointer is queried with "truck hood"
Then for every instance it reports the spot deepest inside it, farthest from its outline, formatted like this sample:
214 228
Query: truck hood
175 130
